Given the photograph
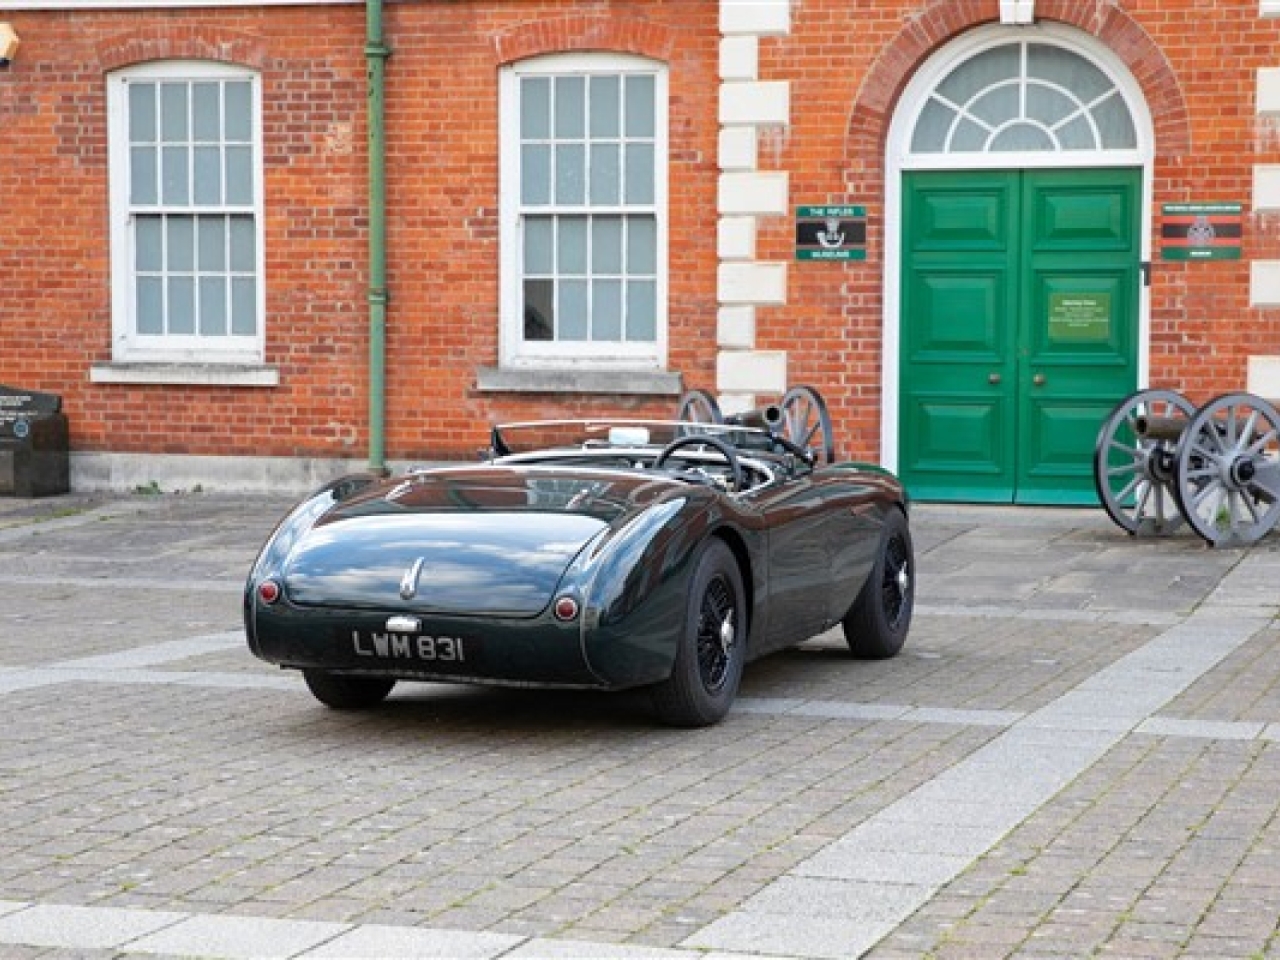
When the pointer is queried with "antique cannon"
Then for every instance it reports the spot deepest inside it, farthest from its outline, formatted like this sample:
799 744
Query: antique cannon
800 417
1159 461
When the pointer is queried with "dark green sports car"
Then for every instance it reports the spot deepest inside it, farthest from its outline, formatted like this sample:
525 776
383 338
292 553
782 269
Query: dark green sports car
592 554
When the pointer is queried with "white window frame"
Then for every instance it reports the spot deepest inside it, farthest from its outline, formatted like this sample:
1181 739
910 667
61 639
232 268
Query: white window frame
514 351
128 347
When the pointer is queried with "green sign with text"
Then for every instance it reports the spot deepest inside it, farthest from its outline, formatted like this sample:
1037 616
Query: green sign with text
1080 317
831 233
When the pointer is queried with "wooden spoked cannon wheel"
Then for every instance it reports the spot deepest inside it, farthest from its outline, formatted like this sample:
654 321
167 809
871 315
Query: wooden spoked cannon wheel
1159 461
1134 474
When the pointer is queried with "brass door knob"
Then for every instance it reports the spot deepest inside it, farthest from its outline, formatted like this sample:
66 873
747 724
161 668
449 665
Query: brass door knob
1038 379
993 378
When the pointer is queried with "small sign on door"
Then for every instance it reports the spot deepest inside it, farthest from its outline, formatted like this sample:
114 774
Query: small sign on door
1079 317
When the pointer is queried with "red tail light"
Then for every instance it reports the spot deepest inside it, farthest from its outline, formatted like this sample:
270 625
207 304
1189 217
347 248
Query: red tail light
566 608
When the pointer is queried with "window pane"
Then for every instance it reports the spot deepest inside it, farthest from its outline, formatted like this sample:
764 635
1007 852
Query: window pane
238 126
640 106
605 173
539 245
974 76
1048 105
968 137
571 310
1077 135
997 105
570 107
1115 124
173 113
244 245
181 245
244 306
570 174
1067 70
213 307
208 176
930 134
539 313
642 311
605 106
142 176
535 108
639 188
149 245
606 245
213 245
182 305
606 310
642 246
206 112
239 175
1022 137
535 174
571 247
176 185
150 306
142 112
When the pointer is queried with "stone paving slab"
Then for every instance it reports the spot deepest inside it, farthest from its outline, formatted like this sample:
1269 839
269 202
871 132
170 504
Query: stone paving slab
1076 754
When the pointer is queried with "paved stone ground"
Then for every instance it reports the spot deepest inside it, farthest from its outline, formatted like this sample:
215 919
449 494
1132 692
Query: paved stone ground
1078 754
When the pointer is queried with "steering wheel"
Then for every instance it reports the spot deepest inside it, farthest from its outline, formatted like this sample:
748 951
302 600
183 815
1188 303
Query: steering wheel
720 447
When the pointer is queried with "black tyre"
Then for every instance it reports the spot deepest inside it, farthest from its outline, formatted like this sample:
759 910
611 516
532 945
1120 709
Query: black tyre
347 693
709 661
877 624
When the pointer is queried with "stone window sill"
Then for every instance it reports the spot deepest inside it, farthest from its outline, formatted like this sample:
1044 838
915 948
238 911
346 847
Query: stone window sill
186 374
656 383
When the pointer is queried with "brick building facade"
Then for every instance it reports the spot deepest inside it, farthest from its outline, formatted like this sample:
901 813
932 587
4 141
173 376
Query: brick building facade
591 206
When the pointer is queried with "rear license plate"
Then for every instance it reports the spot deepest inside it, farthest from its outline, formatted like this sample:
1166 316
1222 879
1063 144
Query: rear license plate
439 651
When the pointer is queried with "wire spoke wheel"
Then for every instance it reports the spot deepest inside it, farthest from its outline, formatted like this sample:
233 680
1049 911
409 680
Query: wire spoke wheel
1228 446
713 648
807 423
1134 475
717 634
896 582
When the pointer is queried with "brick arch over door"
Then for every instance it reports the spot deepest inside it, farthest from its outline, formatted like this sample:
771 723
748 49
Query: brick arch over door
944 20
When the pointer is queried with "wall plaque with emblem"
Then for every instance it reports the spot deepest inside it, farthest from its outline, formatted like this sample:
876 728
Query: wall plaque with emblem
831 233
1200 231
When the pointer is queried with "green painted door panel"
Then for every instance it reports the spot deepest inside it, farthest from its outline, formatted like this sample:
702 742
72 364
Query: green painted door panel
1019 329
956 402
1078 324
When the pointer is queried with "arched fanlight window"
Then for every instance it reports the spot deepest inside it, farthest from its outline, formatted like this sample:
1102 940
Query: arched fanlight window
1024 97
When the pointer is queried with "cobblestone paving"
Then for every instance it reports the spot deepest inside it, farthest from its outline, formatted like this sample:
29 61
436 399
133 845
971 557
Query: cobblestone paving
150 768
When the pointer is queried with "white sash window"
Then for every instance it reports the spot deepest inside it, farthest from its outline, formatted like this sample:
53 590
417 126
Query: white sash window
584 158
186 214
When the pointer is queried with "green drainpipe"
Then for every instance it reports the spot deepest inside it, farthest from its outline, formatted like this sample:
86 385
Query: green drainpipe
376 53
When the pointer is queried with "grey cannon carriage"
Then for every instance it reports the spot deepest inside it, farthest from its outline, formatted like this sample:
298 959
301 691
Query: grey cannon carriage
1160 461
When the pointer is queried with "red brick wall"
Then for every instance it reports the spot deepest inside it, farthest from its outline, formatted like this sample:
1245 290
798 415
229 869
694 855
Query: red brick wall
442 174
847 59
849 62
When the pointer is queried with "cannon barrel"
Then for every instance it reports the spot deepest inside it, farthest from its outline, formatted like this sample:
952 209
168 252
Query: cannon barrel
1158 428
764 418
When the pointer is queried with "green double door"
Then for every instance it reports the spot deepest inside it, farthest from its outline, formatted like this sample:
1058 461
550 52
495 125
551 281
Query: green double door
1019 329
